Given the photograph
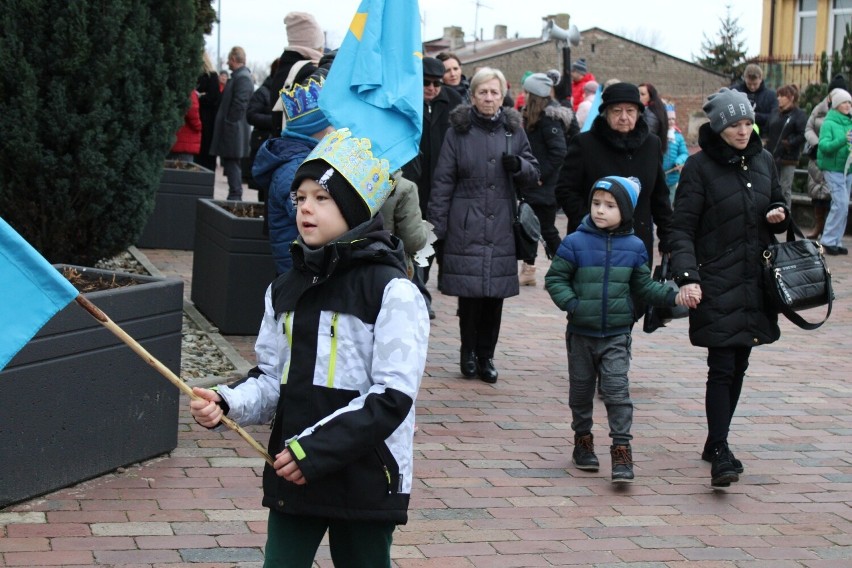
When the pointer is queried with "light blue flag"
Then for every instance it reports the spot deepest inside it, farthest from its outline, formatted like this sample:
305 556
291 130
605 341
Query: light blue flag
593 110
34 291
375 85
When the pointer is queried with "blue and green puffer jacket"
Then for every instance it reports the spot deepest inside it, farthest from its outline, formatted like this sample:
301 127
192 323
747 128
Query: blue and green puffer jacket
593 276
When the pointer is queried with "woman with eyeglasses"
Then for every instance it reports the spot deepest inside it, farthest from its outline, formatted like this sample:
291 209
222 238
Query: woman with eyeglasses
485 155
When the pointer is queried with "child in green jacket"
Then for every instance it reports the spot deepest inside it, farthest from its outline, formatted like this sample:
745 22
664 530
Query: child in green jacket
594 275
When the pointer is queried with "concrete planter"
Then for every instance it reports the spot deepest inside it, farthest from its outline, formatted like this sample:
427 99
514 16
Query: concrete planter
172 223
78 403
232 265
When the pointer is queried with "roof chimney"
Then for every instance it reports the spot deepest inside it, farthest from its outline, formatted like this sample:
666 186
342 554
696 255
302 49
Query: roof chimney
454 36
501 32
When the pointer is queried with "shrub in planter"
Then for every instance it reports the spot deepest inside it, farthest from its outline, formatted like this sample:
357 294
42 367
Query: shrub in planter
78 402
172 222
232 265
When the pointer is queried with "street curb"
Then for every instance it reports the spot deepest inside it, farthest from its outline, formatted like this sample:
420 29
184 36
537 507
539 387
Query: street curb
241 365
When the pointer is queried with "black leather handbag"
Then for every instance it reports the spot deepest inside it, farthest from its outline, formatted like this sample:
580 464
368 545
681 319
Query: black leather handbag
796 277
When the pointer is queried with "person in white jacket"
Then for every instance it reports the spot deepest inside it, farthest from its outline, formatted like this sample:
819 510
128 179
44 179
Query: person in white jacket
341 352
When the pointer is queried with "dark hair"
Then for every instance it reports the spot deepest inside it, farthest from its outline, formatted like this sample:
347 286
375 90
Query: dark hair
658 107
444 55
534 106
789 91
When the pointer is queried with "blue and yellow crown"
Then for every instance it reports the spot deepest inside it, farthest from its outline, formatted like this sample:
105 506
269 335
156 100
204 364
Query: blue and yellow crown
354 160
302 99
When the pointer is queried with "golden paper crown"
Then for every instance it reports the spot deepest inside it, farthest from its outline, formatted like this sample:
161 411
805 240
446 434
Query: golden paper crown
354 160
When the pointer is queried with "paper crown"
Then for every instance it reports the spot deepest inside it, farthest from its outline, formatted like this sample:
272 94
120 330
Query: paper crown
302 99
354 160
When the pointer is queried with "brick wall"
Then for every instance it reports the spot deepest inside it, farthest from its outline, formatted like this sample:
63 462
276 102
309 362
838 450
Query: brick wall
610 56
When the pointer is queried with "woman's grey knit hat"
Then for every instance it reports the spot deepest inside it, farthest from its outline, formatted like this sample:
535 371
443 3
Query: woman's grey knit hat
727 107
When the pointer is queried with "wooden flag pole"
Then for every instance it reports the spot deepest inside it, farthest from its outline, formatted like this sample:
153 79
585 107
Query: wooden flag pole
165 371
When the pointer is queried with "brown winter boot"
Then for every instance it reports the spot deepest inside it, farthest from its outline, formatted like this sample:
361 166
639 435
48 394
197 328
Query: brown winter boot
819 222
527 276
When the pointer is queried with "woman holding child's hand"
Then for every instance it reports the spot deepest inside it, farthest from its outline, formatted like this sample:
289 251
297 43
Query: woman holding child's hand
727 206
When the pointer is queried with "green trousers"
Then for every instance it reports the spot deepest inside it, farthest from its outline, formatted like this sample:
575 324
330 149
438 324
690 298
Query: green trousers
292 541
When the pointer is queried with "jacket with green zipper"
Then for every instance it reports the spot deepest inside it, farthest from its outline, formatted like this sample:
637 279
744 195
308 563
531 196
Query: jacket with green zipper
341 351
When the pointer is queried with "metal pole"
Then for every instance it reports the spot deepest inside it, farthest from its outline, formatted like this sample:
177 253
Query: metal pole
219 37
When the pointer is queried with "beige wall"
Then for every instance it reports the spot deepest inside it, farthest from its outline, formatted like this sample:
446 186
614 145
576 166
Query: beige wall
608 56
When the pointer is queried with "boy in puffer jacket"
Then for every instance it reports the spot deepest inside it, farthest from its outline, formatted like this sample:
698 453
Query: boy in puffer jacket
341 351
596 271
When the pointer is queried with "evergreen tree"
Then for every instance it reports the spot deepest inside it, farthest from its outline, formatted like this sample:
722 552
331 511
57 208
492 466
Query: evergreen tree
726 54
91 96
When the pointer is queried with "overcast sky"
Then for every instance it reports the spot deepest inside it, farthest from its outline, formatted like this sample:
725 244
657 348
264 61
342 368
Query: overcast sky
672 26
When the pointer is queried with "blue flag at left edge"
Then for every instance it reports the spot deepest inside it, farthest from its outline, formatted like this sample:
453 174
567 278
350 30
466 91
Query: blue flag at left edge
34 291
375 85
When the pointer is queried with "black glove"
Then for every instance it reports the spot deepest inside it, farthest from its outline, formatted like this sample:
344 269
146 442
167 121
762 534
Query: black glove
511 163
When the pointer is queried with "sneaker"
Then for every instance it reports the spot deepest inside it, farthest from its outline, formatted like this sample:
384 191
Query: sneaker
622 464
707 456
834 251
584 453
722 472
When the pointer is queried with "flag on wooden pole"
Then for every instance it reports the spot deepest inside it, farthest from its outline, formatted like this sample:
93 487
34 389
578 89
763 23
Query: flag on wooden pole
375 85
34 292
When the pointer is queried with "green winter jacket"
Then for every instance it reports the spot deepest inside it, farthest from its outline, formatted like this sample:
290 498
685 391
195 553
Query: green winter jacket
594 276
833 147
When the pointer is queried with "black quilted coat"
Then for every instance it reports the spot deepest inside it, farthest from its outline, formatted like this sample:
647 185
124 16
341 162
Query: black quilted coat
719 232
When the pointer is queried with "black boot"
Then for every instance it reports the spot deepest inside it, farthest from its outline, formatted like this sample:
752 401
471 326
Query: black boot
487 372
467 362
622 463
584 453
722 472
707 455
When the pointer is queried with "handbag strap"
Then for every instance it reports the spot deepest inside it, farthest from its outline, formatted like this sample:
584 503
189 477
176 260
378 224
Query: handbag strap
511 181
802 322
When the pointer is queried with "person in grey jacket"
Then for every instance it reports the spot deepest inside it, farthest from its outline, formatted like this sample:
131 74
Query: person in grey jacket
486 154
232 132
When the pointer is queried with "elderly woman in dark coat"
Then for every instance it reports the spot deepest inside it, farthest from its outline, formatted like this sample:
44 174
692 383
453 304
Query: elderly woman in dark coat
727 206
472 207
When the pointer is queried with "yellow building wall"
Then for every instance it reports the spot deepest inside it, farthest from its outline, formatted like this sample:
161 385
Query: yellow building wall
784 36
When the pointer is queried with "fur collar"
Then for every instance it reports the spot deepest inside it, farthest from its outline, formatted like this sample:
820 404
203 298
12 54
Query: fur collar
558 112
462 119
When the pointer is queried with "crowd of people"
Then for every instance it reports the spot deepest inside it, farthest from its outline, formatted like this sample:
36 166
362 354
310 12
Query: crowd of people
342 345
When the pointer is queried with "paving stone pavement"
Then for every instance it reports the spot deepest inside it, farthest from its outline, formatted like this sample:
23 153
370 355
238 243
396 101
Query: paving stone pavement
494 484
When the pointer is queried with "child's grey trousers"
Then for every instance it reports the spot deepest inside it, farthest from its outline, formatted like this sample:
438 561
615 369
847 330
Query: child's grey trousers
609 358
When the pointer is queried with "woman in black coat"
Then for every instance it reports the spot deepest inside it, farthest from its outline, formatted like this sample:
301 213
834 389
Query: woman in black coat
484 154
727 206
618 144
208 105
548 126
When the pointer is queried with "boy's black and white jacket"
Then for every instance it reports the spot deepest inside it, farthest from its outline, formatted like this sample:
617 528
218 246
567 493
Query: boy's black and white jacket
341 351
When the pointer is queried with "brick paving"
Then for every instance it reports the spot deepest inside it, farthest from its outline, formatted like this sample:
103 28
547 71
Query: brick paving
494 485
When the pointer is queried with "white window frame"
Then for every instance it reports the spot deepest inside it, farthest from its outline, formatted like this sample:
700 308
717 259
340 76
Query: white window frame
800 15
831 48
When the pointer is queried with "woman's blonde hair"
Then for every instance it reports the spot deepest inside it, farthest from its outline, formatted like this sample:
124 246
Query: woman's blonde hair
486 74
205 63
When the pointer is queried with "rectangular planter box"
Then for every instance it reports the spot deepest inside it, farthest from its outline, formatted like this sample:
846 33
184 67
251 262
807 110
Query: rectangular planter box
77 402
172 223
232 266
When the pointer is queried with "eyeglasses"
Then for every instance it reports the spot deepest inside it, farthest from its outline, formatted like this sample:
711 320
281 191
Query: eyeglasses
436 83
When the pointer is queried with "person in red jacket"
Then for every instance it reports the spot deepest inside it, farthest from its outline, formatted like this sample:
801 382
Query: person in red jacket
579 77
188 141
